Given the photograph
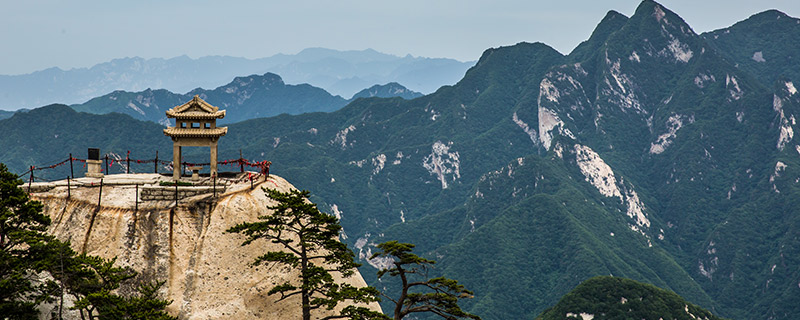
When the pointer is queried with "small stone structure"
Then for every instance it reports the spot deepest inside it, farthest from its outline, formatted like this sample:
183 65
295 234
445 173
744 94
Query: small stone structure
195 126
93 164
150 193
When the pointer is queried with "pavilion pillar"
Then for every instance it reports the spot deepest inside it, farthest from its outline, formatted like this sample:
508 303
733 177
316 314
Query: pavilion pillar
176 161
213 148
195 126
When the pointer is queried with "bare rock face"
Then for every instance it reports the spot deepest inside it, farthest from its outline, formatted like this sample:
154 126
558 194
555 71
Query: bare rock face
207 272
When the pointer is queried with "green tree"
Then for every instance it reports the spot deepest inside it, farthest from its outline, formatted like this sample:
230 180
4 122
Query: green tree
436 295
93 281
22 227
311 242
26 251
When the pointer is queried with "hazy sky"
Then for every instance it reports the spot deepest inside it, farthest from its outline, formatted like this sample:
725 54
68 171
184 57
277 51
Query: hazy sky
38 34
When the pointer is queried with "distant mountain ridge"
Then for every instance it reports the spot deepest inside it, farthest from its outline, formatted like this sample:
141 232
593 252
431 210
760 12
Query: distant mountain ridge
646 153
245 98
341 73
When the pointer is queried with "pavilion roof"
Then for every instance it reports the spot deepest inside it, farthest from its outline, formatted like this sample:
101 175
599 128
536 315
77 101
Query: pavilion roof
196 109
195 132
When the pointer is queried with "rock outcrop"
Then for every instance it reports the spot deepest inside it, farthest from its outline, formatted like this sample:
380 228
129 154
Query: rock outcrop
207 272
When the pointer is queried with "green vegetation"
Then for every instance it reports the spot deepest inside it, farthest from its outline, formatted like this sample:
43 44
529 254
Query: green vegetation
418 293
463 172
607 297
22 227
310 238
27 254
765 45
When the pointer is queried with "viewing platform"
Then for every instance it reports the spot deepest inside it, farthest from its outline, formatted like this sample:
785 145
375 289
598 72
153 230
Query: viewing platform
130 190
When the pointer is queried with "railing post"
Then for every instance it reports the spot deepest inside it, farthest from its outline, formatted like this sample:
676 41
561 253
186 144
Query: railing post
69 192
136 199
241 161
107 165
155 164
100 196
128 159
71 172
30 181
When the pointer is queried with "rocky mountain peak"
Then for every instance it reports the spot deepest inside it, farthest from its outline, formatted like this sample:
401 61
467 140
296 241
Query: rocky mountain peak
208 274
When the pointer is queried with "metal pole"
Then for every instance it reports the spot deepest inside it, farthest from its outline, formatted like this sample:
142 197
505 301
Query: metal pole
71 172
100 196
128 158
30 180
107 165
241 161
155 169
136 198
176 194
68 188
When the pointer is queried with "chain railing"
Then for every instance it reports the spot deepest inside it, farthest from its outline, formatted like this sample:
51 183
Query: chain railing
125 163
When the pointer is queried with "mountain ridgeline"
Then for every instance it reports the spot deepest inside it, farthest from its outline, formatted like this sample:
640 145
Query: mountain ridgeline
647 153
250 97
341 73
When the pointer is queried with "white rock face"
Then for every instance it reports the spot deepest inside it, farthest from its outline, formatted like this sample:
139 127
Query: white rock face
601 176
701 80
398 158
548 91
674 123
341 137
582 315
548 122
524 126
442 163
787 133
733 87
790 87
779 167
378 163
207 271
596 171
758 57
135 108
619 91
634 57
680 51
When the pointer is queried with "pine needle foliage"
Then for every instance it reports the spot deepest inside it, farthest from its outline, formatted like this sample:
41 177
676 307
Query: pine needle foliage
438 295
311 242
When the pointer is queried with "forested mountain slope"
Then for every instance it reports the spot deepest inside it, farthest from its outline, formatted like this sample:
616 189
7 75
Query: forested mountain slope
646 154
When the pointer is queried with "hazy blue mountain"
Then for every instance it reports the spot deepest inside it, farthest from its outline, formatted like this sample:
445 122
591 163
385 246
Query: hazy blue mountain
340 72
646 153
389 90
5 114
250 97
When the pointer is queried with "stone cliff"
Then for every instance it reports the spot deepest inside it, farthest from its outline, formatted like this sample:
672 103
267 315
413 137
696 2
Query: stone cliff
207 272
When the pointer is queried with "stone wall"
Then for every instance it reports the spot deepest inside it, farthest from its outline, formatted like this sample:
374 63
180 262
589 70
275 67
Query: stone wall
149 193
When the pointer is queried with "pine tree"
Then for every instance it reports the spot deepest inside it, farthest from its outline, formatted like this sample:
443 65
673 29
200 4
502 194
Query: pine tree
311 242
436 295
27 253
22 227
93 281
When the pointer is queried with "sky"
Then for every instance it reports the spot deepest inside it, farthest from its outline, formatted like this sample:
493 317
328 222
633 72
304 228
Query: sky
36 35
